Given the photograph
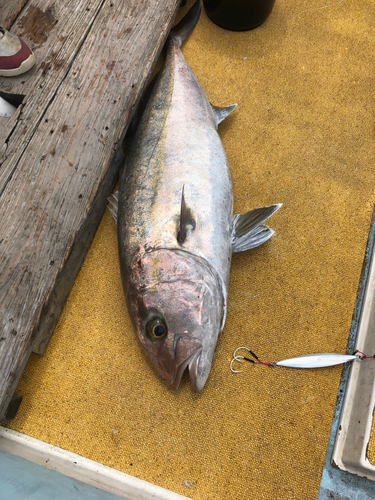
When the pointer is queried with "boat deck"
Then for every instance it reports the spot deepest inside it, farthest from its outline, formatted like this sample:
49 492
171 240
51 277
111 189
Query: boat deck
302 135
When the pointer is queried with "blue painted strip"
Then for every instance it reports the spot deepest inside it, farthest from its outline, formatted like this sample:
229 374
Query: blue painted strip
335 483
24 480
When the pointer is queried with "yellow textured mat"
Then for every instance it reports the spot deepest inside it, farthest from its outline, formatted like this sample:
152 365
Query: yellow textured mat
303 135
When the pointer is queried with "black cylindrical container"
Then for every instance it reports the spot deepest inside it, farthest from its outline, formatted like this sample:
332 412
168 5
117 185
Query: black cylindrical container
238 15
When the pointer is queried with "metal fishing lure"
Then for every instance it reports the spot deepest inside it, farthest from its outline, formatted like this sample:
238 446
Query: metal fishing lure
320 360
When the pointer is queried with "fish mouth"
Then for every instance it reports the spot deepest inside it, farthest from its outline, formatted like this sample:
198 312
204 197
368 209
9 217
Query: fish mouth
188 361
197 380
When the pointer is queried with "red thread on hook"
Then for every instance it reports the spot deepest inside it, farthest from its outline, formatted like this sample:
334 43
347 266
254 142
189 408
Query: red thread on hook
258 361
255 361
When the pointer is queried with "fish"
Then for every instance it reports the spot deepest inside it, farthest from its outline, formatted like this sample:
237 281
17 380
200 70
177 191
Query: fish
176 228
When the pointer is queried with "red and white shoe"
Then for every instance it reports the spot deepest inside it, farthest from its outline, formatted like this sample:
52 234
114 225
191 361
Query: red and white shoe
15 56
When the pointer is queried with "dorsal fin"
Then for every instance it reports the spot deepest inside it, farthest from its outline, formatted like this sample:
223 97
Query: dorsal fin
222 112
186 219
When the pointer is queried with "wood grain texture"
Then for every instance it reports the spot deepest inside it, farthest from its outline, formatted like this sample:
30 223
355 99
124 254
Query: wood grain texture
9 10
61 158
55 42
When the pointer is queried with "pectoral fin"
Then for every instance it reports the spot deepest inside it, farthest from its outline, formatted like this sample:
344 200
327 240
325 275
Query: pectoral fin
186 220
248 229
222 113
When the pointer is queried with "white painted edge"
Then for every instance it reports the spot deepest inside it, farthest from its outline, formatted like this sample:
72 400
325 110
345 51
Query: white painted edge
81 468
354 430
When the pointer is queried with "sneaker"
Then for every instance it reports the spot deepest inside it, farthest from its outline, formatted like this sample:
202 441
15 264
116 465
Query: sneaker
15 56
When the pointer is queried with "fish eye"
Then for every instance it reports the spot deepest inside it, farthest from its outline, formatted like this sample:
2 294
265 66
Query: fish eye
156 329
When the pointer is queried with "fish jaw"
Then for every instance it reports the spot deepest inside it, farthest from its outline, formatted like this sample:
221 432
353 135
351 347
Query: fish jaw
173 357
175 382
183 290
199 370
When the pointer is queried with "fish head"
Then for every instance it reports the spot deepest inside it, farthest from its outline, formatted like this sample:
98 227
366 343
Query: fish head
177 307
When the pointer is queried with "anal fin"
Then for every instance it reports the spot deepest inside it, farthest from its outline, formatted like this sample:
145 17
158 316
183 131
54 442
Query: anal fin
248 229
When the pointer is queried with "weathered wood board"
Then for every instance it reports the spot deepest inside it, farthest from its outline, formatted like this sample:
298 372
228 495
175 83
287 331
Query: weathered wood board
9 10
60 153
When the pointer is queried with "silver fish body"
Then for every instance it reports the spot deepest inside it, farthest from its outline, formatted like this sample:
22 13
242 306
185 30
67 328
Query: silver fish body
176 287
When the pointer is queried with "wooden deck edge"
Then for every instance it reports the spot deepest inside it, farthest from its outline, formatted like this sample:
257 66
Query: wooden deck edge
65 280
82 469
12 408
55 303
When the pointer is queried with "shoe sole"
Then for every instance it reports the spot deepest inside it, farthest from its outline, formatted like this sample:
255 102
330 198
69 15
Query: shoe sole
25 66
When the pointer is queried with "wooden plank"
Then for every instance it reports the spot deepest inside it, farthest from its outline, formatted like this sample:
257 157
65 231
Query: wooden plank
55 44
9 10
53 187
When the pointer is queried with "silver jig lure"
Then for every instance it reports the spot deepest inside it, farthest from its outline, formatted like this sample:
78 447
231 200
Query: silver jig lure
320 360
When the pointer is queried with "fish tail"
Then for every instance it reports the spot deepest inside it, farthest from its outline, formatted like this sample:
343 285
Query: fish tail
182 30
